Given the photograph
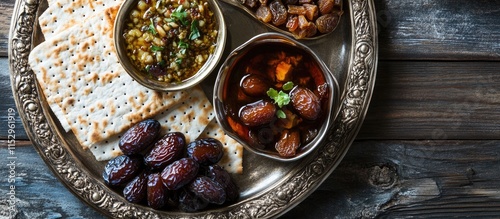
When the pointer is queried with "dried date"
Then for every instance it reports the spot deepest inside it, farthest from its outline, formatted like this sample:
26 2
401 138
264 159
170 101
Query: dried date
157 194
306 103
189 202
279 12
224 179
121 169
139 137
263 13
254 85
288 143
327 23
179 173
208 190
166 150
257 113
206 151
136 190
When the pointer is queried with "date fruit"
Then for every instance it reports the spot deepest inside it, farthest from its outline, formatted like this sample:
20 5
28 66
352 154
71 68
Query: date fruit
135 190
254 85
288 144
208 190
179 173
189 202
279 12
157 194
257 113
166 150
306 103
205 151
121 169
327 23
139 137
224 179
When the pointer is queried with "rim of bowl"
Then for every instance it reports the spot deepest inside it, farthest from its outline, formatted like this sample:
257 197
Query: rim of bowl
136 74
241 51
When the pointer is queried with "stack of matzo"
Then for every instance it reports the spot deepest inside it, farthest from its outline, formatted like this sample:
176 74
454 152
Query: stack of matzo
92 96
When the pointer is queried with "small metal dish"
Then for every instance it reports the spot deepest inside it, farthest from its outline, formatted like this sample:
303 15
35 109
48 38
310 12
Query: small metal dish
140 77
220 98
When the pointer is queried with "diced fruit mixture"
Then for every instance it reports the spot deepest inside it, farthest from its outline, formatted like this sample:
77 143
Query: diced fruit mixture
282 98
302 18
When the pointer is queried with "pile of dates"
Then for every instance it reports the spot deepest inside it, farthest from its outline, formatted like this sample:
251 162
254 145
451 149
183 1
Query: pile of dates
168 172
302 18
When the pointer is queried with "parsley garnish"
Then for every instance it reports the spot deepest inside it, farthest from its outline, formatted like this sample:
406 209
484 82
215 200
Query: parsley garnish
195 33
156 48
183 46
152 27
288 86
179 14
281 114
178 61
281 98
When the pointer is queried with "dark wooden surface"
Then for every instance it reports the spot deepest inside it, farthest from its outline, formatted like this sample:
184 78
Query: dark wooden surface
429 147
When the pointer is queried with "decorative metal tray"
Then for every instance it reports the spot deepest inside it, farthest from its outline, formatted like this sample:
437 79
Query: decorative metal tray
268 188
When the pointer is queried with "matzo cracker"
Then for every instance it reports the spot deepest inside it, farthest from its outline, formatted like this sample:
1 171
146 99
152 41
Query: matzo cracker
80 75
63 14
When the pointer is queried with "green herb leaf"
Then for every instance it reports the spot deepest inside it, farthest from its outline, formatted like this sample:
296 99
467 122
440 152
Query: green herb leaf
288 86
180 14
281 114
182 45
156 48
152 27
162 63
195 33
178 61
281 98
272 93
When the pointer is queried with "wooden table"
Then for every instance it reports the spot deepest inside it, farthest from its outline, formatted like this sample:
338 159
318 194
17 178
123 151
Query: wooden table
429 146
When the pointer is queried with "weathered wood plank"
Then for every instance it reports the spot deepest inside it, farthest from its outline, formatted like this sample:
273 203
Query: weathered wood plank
444 30
407 179
409 30
8 110
434 100
394 179
6 10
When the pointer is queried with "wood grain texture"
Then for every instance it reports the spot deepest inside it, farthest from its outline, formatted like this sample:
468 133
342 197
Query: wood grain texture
439 30
408 179
434 100
6 10
7 104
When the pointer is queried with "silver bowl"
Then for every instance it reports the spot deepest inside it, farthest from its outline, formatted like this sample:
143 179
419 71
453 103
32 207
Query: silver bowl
222 81
140 77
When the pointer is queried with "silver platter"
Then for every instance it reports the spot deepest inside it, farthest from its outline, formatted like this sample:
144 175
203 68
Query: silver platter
268 188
